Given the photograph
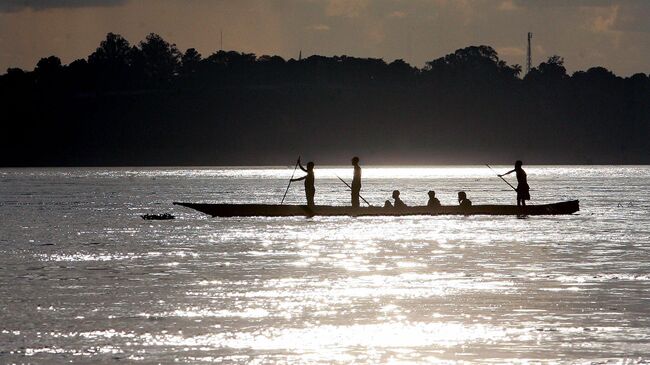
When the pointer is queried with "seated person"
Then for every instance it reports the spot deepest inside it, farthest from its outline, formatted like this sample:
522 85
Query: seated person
433 201
388 204
398 202
463 201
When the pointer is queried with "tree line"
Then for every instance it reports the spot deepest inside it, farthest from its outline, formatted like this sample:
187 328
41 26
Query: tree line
152 104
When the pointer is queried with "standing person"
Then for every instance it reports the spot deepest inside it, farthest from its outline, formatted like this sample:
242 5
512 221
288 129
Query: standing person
523 190
310 190
356 182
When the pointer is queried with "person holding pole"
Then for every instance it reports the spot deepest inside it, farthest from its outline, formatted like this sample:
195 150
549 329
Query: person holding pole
523 190
356 182
310 190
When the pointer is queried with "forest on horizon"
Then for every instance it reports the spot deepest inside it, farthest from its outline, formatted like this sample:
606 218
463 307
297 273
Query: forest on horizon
151 104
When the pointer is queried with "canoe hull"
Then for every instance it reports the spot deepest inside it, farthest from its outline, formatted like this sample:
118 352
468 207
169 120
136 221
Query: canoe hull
270 210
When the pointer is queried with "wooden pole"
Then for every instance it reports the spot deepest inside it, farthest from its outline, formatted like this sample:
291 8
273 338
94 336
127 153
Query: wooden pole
504 180
293 173
349 187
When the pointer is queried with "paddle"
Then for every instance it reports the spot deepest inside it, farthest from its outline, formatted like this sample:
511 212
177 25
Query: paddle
504 180
293 173
349 187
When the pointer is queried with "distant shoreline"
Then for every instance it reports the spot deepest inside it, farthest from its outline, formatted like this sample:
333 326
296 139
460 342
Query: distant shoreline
152 105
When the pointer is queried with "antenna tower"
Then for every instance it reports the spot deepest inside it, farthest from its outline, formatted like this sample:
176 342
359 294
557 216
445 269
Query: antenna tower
529 61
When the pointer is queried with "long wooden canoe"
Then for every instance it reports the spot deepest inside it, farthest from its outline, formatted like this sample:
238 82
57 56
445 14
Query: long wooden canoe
271 210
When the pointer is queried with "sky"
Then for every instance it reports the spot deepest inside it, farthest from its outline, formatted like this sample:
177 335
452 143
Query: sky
587 33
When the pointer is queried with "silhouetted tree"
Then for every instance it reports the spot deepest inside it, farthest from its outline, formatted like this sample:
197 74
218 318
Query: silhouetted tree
112 62
550 71
49 65
515 70
48 71
190 61
471 63
15 82
113 54
399 66
79 77
270 69
401 73
160 59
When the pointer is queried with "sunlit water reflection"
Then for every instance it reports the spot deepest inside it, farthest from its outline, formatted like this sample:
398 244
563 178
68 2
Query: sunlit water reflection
84 279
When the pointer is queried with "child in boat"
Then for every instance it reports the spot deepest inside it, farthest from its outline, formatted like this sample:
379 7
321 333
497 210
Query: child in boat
433 201
398 202
388 204
463 201
310 190
523 190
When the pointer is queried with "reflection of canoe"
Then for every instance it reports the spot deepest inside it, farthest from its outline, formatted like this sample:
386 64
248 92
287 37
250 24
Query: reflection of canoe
268 210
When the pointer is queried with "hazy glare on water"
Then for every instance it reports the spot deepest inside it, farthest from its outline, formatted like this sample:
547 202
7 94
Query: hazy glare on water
83 279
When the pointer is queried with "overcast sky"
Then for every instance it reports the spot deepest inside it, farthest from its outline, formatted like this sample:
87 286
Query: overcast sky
613 34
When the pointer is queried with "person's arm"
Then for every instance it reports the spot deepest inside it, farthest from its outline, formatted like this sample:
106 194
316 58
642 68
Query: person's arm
507 173
301 167
299 178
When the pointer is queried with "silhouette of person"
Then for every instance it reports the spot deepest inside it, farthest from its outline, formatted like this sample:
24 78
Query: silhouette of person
398 202
463 201
523 190
356 182
310 190
387 204
433 201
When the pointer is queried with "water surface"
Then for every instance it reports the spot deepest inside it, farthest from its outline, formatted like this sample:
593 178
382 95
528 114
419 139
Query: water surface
83 279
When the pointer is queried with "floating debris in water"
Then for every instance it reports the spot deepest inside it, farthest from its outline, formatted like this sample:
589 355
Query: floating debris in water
157 217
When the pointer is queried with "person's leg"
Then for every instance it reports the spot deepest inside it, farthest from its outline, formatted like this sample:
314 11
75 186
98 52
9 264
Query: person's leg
310 197
355 198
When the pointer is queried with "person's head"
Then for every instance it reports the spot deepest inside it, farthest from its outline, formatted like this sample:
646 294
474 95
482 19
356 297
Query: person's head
310 165
518 164
395 194
462 195
355 160
432 194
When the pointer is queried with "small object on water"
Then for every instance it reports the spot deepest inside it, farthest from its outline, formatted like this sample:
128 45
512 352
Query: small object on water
157 217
